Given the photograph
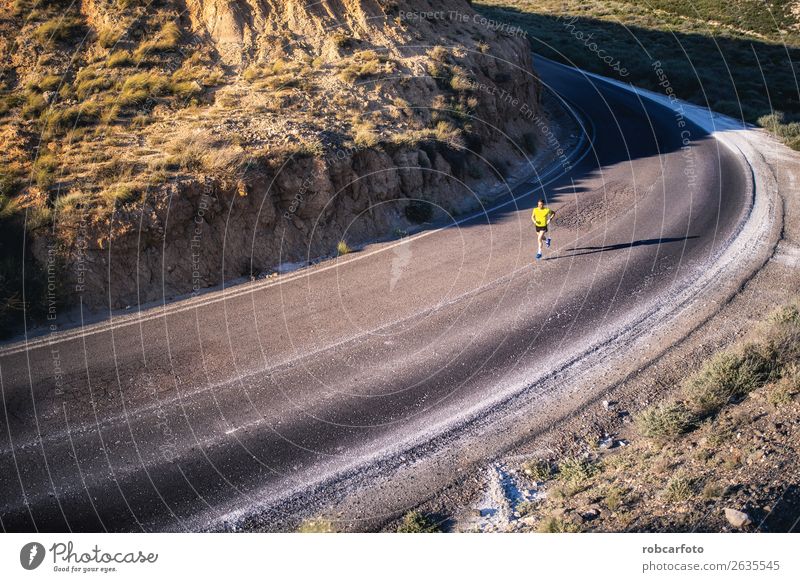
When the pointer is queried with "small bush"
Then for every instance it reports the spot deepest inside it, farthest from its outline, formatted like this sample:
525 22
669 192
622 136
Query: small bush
33 107
728 376
362 64
9 183
439 53
59 120
38 217
678 489
44 171
720 431
614 498
538 470
124 4
57 30
416 522
666 420
9 101
119 194
448 133
460 81
316 526
786 315
782 392
120 59
772 121
137 88
366 136
713 491
107 37
46 83
557 525
68 202
342 40
782 336
166 39
575 470
90 80
342 248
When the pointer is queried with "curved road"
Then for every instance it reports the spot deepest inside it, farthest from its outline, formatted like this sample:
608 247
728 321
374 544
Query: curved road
178 420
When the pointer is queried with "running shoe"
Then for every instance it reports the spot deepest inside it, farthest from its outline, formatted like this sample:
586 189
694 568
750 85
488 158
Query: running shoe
538 256
547 242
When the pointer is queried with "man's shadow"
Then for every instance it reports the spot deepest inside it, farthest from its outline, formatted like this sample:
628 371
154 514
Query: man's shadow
578 251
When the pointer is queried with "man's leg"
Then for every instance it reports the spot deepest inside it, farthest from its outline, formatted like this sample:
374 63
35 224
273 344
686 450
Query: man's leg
539 236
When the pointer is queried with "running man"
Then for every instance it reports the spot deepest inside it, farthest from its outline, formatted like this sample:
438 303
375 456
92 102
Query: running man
541 217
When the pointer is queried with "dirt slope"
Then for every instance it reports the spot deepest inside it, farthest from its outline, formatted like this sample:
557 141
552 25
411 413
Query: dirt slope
156 148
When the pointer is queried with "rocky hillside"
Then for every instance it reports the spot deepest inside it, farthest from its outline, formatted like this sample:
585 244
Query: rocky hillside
153 148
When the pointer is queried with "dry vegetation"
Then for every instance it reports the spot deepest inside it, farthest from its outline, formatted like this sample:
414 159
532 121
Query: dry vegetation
739 58
104 102
729 439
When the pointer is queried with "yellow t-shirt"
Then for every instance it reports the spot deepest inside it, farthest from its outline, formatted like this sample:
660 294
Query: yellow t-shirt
540 215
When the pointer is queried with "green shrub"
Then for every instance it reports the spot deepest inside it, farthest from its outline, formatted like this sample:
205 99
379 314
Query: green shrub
449 134
439 53
120 59
460 81
44 171
119 194
316 526
59 120
785 390
720 430
538 470
57 30
362 64
342 248
576 470
9 184
166 39
38 217
46 83
365 135
416 522
107 37
91 80
666 420
9 101
782 335
614 498
124 4
728 376
678 489
68 202
342 40
557 525
34 105
137 88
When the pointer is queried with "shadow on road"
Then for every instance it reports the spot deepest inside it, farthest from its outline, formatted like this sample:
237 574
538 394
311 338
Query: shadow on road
578 251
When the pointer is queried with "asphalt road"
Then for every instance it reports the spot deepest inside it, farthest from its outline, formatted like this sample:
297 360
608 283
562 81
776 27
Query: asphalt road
210 410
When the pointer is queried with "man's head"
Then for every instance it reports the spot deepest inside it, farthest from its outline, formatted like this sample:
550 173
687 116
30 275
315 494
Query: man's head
540 203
